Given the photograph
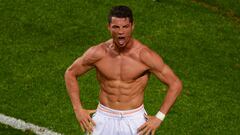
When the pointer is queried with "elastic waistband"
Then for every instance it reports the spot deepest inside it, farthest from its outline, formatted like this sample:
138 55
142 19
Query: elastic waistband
120 113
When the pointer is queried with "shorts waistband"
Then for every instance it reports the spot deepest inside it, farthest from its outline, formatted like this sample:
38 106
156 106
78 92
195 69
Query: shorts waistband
119 113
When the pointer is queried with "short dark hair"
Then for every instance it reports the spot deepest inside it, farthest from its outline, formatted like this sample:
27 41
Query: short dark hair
120 12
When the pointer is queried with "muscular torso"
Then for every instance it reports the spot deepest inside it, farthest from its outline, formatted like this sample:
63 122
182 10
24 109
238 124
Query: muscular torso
122 77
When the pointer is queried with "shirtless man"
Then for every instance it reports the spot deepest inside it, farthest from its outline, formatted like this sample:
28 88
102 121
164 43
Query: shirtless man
123 66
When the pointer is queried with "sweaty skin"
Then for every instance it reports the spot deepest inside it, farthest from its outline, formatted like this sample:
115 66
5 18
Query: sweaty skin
123 66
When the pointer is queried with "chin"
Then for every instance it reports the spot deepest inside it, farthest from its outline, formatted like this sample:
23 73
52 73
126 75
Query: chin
121 45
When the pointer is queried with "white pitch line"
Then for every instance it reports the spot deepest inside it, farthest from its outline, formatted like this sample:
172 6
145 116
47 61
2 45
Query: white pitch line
22 125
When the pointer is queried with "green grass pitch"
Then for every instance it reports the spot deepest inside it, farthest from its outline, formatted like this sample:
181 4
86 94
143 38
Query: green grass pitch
39 39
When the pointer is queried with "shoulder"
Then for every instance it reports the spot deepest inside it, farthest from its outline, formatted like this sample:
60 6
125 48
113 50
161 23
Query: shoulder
150 57
145 52
100 49
95 50
94 53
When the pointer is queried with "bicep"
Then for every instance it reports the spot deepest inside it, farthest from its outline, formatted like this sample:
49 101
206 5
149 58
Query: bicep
164 73
79 66
86 61
157 66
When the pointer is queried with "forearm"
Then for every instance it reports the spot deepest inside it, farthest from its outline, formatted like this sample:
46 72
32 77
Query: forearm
73 90
171 96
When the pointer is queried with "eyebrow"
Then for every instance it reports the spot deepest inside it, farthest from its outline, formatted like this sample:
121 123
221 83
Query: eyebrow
114 25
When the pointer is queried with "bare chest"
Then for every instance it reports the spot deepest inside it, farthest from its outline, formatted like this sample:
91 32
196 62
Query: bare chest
123 68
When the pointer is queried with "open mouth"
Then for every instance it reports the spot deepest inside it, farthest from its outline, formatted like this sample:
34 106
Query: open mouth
121 37
121 40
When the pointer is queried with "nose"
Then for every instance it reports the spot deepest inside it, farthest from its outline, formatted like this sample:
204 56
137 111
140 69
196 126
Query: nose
120 32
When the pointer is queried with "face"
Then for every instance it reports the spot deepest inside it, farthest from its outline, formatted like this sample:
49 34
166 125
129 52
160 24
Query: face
121 31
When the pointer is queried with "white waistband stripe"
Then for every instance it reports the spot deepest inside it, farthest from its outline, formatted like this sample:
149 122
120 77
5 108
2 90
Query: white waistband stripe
113 112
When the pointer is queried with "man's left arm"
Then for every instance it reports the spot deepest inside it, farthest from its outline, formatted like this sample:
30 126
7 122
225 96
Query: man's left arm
165 74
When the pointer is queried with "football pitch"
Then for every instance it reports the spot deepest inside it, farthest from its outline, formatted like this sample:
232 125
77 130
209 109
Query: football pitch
198 39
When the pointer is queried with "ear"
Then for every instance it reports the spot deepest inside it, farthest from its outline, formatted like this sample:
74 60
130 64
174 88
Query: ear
133 24
108 26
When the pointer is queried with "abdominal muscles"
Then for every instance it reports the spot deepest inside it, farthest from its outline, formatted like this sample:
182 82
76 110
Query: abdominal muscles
123 95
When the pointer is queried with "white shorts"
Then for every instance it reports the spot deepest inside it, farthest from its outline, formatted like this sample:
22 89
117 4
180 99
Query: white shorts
116 122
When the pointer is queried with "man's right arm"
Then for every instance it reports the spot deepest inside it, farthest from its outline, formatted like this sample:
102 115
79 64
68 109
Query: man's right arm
78 68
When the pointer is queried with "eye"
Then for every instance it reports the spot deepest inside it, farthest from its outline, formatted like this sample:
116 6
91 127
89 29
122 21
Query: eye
125 26
115 27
